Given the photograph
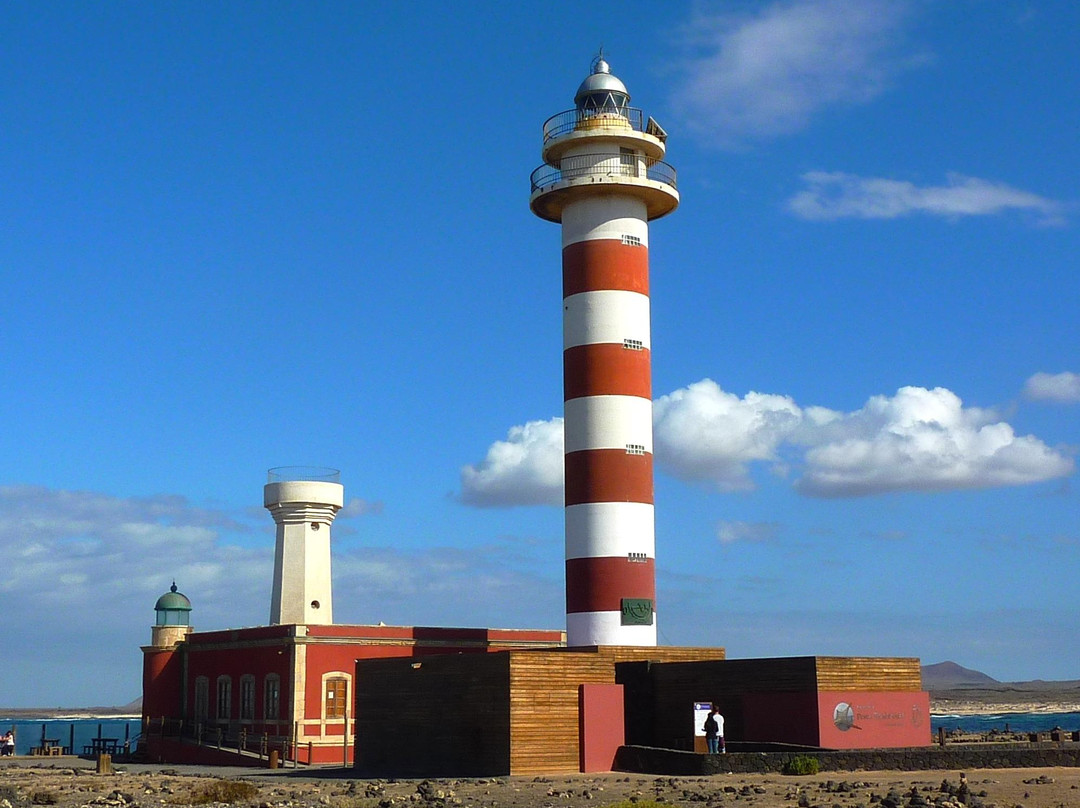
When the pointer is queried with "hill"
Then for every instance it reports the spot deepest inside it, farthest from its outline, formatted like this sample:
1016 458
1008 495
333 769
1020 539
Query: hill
951 676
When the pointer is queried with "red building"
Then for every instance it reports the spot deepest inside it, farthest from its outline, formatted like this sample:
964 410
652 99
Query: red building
285 688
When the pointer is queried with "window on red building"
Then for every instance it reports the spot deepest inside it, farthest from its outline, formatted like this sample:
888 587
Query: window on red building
224 698
202 698
272 697
336 694
247 696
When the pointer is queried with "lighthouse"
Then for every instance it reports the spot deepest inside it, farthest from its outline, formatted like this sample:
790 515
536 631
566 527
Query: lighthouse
603 179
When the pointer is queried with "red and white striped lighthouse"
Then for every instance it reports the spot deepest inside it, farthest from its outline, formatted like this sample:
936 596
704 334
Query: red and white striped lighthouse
603 180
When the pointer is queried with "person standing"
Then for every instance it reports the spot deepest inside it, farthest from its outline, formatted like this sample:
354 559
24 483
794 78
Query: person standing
714 731
7 744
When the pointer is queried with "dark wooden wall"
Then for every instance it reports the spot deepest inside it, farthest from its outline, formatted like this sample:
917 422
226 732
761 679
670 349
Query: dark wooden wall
437 716
632 671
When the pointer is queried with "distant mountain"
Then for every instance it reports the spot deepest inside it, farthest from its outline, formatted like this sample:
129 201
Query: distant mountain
950 676
131 708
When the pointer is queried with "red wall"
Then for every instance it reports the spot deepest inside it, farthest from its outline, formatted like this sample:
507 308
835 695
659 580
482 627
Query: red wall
161 683
877 720
235 662
777 717
601 729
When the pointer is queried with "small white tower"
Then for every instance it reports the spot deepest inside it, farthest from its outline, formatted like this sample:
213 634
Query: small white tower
303 502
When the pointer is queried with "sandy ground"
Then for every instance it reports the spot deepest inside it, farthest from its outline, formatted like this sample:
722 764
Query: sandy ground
960 704
75 783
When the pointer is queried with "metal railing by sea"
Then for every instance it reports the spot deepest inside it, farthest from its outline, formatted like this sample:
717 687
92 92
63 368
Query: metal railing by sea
586 166
229 737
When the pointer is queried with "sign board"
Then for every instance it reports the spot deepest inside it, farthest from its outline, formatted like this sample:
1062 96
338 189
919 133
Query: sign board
701 712
637 612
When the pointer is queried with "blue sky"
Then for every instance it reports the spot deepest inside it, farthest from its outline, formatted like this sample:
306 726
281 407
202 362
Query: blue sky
239 236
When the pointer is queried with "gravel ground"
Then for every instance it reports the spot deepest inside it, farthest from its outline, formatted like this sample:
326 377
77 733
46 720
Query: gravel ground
24 784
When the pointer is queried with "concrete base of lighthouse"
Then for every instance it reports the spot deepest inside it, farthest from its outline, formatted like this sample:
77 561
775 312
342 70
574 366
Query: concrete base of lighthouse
597 628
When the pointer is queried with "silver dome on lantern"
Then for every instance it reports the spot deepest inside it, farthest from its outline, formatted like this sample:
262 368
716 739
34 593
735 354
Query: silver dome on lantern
601 89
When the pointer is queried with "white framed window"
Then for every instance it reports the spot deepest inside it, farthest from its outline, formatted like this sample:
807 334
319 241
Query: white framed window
635 449
633 344
335 695
631 241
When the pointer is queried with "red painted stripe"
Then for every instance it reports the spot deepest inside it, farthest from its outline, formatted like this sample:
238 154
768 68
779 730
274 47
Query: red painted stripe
600 584
590 266
606 369
608 475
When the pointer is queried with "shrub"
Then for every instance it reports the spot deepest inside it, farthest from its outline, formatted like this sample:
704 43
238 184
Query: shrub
223 791
43 797
638 803
802 764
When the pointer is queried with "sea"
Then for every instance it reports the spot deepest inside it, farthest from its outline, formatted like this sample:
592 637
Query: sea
69 732
1014 722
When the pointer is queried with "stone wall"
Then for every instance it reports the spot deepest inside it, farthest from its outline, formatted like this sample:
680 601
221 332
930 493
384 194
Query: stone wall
959 757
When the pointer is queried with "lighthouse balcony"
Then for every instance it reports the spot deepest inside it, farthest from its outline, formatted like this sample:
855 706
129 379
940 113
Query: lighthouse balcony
626 126
651 180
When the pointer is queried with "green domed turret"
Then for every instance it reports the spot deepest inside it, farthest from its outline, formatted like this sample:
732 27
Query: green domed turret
173 608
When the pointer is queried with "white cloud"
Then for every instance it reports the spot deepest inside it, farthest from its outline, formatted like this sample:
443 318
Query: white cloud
359 507
922 440
916 440
767 74
705 433
835 195
1059 387
524 469
730 532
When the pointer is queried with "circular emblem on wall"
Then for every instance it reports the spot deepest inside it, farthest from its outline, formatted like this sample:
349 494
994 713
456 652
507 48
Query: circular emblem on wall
843 716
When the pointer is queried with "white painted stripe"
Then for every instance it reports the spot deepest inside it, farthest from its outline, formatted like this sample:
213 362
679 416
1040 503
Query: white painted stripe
610 529
605 216
607 422
605 628
611 315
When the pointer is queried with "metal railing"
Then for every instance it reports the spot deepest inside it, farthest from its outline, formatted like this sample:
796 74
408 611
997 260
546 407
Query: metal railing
292 474
227 736
571 119
585 166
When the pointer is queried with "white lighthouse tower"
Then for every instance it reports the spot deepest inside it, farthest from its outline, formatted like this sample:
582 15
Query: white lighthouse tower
604 181
303 502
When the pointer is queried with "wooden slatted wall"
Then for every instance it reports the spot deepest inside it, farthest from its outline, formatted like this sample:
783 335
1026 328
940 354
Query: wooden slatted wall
873 674
544 707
